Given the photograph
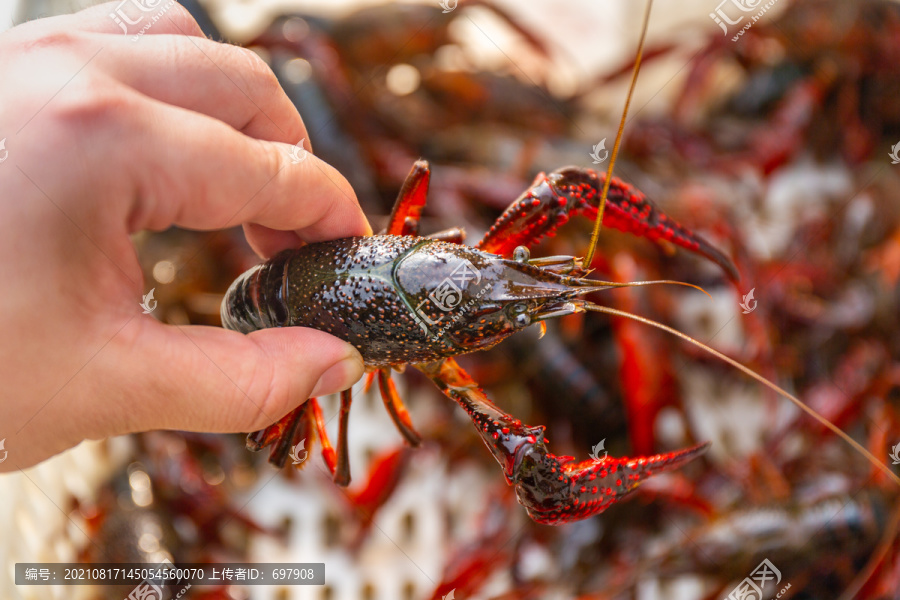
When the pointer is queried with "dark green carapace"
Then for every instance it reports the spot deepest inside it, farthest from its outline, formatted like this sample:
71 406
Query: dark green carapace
398 299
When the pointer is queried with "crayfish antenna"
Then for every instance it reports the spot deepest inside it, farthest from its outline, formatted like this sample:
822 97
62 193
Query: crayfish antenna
620 284
595 236
752 374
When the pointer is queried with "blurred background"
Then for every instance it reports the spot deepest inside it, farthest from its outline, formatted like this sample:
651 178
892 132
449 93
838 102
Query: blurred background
780 145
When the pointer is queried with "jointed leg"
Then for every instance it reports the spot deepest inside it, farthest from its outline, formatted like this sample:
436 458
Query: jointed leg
304 422
316 419
454 235
281 433
396 409
342 469
370 379
410 201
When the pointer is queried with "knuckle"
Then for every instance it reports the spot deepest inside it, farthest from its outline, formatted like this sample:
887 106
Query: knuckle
273 159
93 103
295 128
269 164
55 39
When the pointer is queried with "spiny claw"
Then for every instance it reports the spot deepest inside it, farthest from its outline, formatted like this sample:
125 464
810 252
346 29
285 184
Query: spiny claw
555 197
553 489
627 209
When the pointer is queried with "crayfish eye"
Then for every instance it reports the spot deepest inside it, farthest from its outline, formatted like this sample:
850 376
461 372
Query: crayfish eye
518 308
518 313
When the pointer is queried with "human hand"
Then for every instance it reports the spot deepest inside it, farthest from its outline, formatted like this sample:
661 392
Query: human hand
106 137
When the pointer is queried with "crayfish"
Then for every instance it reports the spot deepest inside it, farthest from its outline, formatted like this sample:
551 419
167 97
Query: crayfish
401 298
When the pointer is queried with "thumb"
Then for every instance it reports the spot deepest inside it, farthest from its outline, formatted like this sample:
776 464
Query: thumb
209 379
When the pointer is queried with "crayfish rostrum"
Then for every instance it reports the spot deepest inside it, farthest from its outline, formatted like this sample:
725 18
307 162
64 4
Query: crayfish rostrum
400 298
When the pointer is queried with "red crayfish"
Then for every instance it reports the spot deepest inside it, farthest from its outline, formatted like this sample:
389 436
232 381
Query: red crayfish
400 298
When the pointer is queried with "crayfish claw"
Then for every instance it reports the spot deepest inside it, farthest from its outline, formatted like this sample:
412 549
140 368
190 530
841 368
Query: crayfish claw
554 198
580 490
553 489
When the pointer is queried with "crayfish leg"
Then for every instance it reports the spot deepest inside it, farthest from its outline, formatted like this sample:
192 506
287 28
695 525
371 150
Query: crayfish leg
453 235
328 454
572 191
553 489
303 423
410 201
396 409
342 464
281 433
370 379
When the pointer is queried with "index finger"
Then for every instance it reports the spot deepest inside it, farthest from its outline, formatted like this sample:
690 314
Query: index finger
197 172
127 19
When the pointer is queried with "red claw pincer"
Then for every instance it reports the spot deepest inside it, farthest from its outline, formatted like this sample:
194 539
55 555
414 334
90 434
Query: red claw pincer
553 489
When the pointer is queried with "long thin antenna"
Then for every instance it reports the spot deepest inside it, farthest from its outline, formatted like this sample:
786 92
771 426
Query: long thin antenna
753 374
595 236
617 284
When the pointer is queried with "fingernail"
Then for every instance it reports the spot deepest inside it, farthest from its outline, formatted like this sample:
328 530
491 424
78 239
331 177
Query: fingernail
341 375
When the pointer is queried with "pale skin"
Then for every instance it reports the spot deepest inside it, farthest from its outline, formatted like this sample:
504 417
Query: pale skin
107 137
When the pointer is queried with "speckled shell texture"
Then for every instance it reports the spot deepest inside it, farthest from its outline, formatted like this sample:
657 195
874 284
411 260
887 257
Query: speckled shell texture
370 291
